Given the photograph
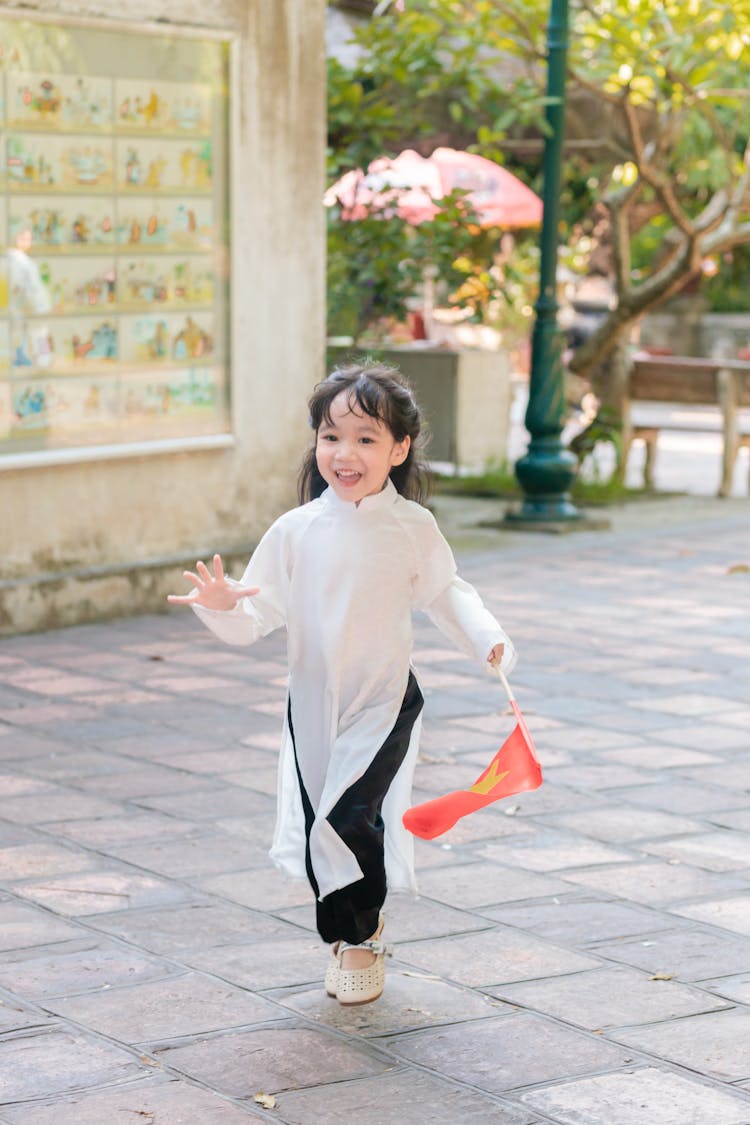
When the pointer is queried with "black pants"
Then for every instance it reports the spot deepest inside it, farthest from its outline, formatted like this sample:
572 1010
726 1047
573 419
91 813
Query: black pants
351 913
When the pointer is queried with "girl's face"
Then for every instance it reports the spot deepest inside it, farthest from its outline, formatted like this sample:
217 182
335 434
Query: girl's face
355 453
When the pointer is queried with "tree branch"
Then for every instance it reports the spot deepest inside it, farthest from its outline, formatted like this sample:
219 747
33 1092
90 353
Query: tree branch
660 183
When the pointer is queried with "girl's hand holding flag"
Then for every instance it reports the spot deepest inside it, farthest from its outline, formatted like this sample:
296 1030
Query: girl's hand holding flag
514 769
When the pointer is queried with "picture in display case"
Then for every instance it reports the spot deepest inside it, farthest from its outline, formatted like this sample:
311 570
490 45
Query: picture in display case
113 204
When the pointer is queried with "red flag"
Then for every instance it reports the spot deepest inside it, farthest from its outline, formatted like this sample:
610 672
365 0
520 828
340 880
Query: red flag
514 769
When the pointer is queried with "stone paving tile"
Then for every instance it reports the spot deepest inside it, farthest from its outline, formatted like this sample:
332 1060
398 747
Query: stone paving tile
617 824
63 804
261 780
58 1061
665 758
14 742
202 804
153 1011
733 988
370 1101
23 926
654 884
153 1100
67 764
596 776
259 889
273 1059
136 825
14 786
734 775
192 856
714 1044
608 998
57 715
279 963
493 957
738 818
139 780
12 834
411 1000
16 1016
722 850
685 703
555 852
571 921
85 893
517 1050
225 761
726 913
701 735
75 966
667 1098
194 925
688 955
42 858
473 885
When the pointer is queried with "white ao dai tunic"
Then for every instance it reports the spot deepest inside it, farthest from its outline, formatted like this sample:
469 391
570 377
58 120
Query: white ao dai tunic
344 580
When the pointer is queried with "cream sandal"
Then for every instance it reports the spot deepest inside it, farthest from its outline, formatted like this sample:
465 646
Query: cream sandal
362 986
332 971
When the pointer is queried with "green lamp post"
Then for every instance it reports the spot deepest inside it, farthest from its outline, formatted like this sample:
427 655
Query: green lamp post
547 469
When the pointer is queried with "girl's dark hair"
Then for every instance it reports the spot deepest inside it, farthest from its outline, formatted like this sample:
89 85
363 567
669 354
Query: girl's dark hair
380 392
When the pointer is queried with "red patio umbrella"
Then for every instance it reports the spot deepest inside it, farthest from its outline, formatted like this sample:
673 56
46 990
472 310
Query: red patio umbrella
411 184
514 769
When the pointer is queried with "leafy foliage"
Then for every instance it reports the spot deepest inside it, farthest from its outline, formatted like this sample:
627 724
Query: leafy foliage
668 117
376 264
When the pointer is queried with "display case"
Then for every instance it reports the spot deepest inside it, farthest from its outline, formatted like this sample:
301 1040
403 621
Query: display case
114 287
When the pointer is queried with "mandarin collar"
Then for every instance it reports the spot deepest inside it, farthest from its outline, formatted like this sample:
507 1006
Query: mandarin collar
383 499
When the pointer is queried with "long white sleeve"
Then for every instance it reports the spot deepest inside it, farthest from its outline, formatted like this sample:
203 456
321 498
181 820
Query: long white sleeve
461 615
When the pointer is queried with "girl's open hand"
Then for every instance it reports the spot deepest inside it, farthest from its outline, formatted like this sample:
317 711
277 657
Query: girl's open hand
212 591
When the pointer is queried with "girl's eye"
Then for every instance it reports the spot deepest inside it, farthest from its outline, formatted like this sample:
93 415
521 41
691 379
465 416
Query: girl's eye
366 440
327 437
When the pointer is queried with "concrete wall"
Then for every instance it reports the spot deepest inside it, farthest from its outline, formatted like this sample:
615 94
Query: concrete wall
86 540
685 328
465 396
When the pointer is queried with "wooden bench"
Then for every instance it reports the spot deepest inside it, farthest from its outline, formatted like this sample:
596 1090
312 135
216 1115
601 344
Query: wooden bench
684 381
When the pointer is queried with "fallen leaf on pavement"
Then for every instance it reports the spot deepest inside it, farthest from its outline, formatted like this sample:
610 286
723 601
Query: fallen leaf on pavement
148 1062
268 1101
662 976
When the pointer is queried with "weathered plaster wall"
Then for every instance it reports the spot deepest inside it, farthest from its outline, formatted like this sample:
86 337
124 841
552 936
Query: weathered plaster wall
123 517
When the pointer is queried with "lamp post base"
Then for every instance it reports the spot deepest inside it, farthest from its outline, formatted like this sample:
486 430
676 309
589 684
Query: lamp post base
544 509
550 519
546 474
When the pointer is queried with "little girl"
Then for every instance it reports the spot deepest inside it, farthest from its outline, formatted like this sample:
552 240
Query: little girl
343 573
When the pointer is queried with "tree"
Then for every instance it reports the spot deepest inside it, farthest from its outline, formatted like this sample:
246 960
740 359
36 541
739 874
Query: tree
419 82
663 155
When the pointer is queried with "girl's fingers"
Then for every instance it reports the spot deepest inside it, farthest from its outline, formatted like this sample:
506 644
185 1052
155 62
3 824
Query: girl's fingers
246 591
218 568
203 571
181 599
196 581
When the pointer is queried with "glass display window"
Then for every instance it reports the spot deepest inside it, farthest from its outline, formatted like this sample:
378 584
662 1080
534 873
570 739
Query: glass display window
114 315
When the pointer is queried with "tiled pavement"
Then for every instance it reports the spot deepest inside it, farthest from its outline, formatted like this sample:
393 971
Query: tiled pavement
578 955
